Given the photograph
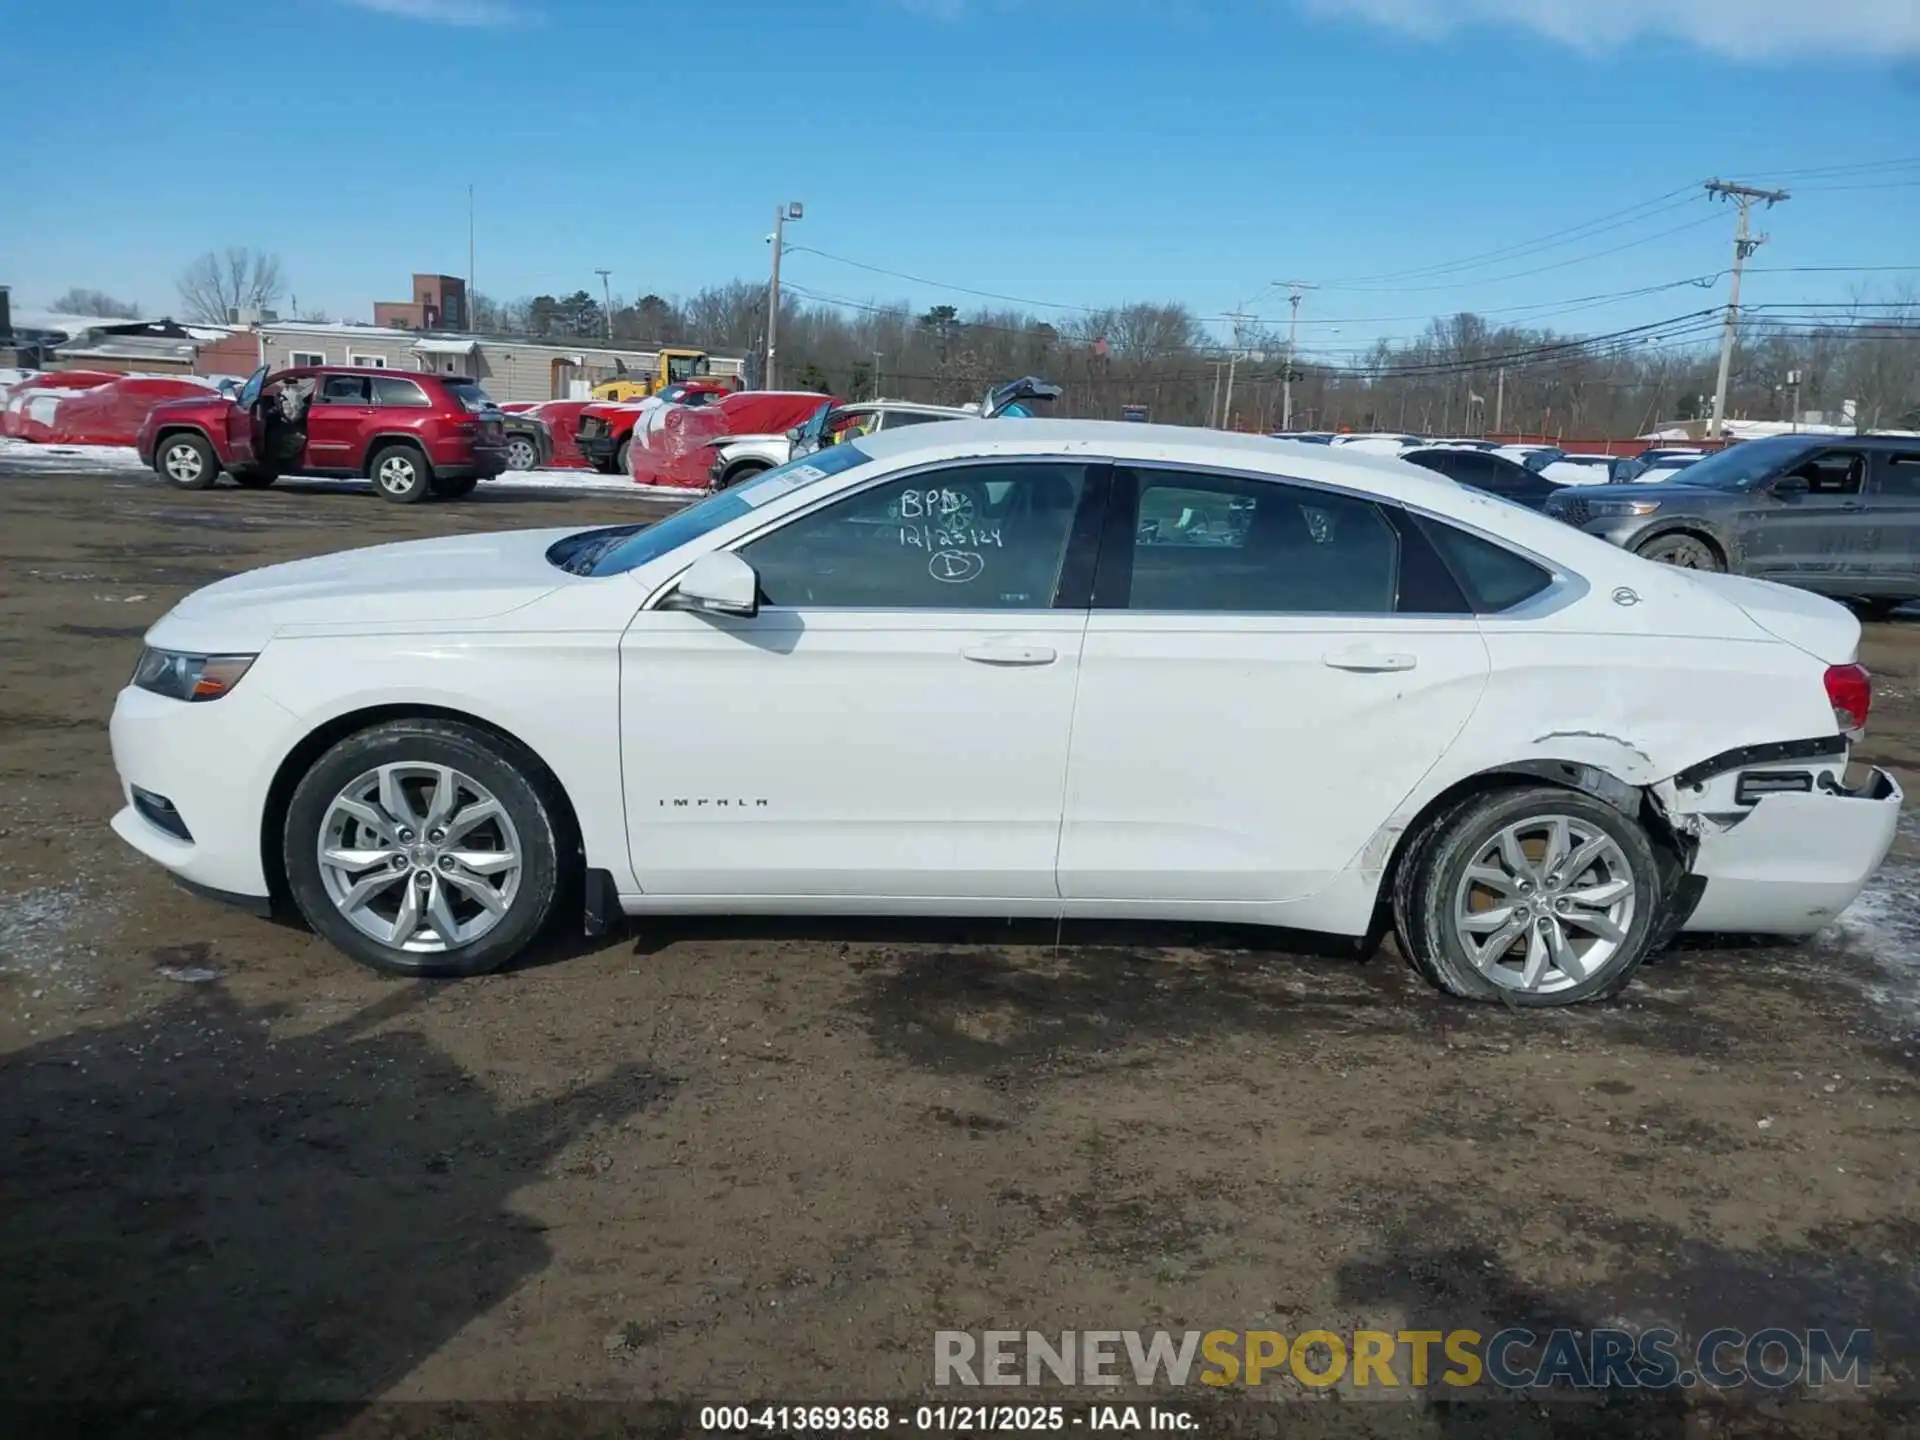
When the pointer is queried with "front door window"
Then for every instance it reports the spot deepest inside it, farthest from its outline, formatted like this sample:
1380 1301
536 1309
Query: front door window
973 537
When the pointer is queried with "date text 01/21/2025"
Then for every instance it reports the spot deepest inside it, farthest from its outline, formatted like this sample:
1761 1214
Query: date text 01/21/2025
940 1419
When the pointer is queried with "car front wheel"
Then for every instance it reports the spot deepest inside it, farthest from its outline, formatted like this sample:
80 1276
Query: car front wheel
1535 897
187 462
1688 552
423 847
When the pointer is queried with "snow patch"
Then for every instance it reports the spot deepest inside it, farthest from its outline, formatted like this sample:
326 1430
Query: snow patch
34 929
22 457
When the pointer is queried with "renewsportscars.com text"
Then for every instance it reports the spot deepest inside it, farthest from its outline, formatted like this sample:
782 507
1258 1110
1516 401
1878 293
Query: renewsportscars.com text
1385 1360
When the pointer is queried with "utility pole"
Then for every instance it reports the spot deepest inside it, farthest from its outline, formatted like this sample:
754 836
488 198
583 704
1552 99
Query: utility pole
1233 359
1213 401
792 210
1294 291
606 310
1744 244
1500 404
468 307
876 374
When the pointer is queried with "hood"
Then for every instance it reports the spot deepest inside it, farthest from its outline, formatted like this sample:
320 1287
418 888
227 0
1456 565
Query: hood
443 582
1824 628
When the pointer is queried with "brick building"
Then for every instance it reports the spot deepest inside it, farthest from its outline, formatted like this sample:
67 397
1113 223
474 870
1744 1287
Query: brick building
439 303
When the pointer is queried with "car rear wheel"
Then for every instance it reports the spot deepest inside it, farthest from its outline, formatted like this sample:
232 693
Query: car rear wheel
1534 897
454 487
1880 607
522 453
423 847
620 459
1688 552
401 474
186 462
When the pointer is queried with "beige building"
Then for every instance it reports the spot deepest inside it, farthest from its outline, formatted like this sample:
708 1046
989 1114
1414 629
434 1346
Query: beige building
510 369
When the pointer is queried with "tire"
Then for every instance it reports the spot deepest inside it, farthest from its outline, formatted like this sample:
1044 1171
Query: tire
522 453
186 462
453 487
1687 552
401 474
740 474
1434 894
417 755
254 479
620 459
1879 607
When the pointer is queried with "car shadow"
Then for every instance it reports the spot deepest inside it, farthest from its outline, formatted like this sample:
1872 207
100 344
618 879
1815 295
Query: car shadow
203 1206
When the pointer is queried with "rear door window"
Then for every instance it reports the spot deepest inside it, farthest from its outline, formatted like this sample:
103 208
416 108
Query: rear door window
344 390
1228 544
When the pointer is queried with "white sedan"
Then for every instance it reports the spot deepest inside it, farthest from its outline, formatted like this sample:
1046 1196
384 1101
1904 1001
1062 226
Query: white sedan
1054 668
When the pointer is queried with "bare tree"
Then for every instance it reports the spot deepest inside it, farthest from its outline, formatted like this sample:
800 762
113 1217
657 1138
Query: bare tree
223 281
95 302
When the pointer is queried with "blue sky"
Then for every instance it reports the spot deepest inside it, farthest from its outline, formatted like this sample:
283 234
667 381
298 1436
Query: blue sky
1074 151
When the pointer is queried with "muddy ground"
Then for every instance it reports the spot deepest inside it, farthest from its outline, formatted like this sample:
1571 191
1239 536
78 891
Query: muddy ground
715 1161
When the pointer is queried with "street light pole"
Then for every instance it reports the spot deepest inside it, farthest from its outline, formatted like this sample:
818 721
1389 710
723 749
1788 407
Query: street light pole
792 210
606 309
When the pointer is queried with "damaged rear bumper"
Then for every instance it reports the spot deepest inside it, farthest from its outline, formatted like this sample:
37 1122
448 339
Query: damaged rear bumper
1785 863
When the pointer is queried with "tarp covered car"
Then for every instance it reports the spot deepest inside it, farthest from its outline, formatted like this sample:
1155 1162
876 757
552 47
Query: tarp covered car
675 451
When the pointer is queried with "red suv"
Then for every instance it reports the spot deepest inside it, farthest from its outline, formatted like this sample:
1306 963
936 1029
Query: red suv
412 433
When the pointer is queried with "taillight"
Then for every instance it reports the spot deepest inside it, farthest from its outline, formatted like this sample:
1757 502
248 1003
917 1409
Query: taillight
1850 688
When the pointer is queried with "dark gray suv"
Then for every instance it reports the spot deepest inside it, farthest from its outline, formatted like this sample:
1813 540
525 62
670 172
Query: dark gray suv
1837 515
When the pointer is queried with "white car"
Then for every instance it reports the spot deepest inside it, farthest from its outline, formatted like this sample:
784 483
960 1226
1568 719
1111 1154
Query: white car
741 457
1589 469
1053 668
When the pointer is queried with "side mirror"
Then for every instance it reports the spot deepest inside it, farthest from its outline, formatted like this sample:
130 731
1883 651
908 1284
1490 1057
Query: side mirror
720 583
1790 487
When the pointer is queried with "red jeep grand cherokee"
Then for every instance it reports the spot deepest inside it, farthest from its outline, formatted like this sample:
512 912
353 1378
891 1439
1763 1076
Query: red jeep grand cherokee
411 433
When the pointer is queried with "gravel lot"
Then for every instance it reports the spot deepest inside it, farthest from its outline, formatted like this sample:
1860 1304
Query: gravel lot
716 1161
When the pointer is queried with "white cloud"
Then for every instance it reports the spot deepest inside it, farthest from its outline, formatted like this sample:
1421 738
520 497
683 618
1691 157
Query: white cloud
471 13
1740 29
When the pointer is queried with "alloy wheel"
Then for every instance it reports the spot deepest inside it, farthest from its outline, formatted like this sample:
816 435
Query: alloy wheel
1545 904
419 857
521 455
184 463
396 474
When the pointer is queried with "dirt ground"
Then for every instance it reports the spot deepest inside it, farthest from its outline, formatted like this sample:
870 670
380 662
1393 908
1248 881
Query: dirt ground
768 1160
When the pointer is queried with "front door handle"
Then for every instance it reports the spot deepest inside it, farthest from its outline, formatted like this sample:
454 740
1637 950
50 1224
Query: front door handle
1000 652
1369 661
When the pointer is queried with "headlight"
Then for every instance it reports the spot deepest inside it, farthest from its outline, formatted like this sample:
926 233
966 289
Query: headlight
189 677
1622 507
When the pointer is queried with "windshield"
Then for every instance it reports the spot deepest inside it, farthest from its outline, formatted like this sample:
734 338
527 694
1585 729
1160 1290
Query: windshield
686 367
469 394
621 548
1742 466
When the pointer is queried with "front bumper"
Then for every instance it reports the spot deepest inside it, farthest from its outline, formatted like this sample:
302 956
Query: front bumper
1793 862
212 762
600 450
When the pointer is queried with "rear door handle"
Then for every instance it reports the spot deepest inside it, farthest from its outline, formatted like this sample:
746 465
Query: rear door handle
1000 652
1368 661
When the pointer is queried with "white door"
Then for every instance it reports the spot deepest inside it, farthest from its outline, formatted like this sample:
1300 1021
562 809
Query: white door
1264 700
894 721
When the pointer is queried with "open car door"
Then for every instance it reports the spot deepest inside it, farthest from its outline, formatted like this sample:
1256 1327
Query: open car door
246 422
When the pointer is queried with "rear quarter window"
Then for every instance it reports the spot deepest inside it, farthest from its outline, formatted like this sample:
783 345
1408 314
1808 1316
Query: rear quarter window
1494 578
392 390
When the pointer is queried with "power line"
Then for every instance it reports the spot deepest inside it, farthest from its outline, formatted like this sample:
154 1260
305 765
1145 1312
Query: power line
1538 270
1631 215
938 284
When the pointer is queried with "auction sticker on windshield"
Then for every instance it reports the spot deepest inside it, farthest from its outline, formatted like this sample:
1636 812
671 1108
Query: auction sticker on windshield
780 483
